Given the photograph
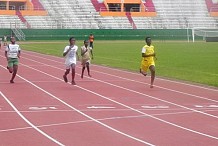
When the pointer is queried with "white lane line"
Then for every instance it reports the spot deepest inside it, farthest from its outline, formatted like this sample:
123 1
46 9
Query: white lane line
102 119
73 108
177 82
130 90
168 89
164 121
184 128
100 107
110 110
28 122
40 56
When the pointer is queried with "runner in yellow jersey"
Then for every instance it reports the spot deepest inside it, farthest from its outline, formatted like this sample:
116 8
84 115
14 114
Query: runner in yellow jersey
148 56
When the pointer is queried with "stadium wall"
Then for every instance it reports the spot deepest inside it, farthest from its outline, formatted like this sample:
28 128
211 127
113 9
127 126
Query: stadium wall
4 32
103 34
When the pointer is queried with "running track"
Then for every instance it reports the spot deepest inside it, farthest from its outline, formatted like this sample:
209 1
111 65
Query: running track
113 108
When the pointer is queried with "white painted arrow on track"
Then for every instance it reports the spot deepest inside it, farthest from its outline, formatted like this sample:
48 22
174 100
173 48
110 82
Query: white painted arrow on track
156 107
100 107
213 106
206 106
42 108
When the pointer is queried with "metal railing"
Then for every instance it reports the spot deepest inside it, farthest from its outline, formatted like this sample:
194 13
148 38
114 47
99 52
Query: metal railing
30 8
4 7
133 9
23 7
19 34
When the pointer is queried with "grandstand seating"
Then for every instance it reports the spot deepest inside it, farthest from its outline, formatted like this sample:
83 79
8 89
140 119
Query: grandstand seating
18 13
83 14
8 21
181 14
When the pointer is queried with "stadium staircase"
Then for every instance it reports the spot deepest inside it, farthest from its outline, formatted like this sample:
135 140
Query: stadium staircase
212 7
98 6
19 34
149 5
18 13
128 15
37 5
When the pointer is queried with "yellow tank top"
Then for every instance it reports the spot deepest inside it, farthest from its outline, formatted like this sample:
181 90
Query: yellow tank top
149 50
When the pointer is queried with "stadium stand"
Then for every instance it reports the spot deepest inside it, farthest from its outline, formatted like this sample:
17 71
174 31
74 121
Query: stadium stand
85 14
179 14
8 21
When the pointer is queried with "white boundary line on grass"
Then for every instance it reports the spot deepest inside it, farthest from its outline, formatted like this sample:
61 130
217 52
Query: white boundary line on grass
119 70
153 117
28 122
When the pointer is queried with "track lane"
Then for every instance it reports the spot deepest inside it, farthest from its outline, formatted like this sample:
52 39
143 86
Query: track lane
174 96
64 132
172 86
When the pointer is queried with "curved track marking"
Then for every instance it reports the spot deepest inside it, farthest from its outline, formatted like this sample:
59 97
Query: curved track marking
28 122
102 119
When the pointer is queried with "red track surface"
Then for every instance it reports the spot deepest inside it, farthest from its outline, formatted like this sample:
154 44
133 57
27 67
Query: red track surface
113 107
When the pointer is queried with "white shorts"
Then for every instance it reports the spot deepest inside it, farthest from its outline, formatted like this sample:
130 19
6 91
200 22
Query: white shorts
70 66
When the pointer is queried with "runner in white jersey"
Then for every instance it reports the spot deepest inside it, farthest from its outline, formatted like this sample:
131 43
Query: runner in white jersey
12 53
70 53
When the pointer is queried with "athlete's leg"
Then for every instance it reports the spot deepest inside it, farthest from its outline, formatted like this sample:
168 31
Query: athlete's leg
152 69
91 45
15 68
65 74
10 65
87 65
73 66
83 69
10 69
142 72
143 68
